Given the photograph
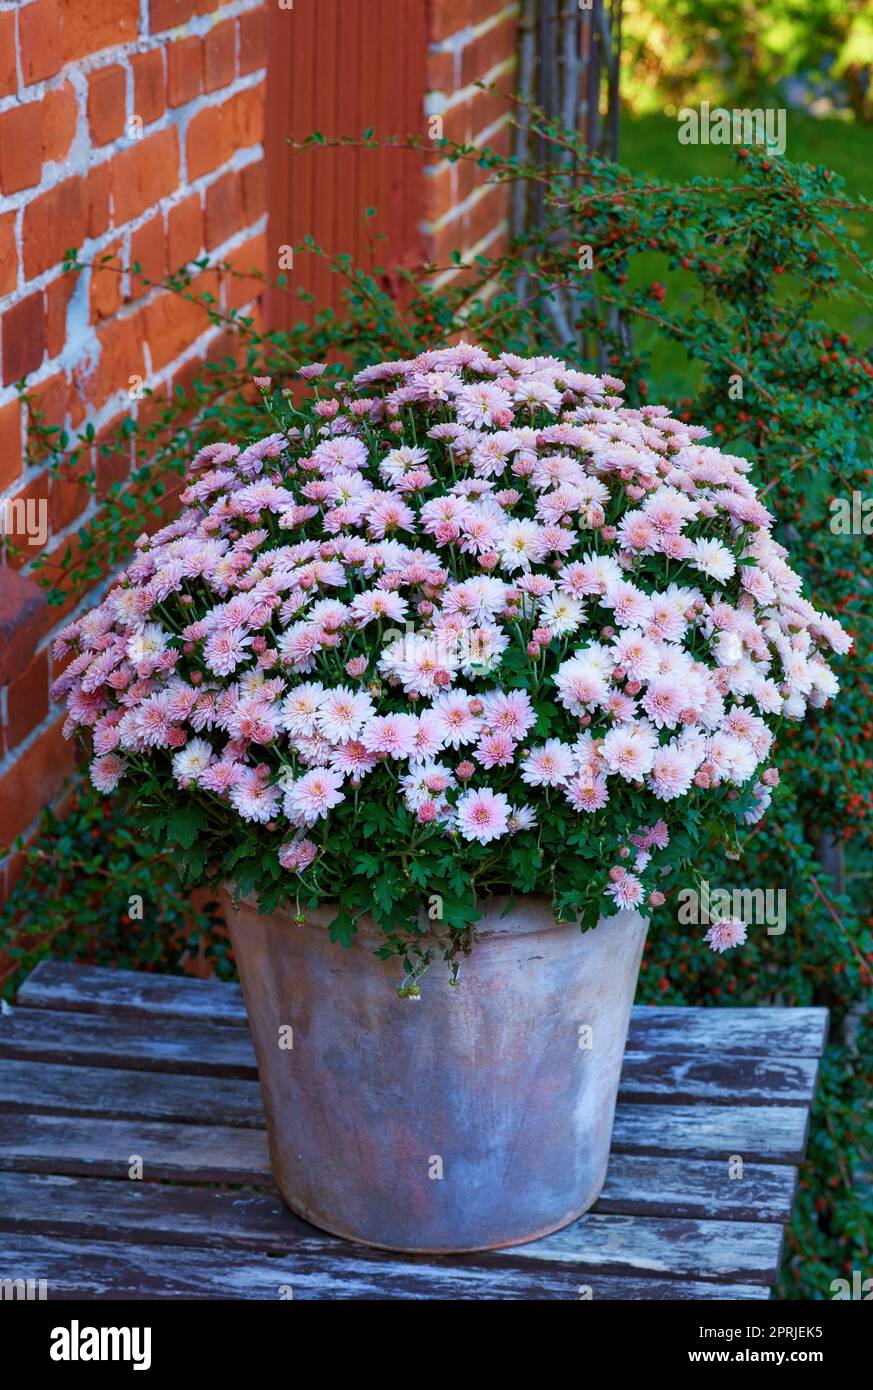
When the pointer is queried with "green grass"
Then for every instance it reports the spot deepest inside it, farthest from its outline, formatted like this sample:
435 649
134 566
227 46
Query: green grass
649 145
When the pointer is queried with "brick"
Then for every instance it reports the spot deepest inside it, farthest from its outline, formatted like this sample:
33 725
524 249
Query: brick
486 9
33 779
113 466
149 85
456 122
68 494
32 518
440 72
223 209
253 40
92 25
10 443
40 30
106 103
21 147
219 55
172 323
97 194
121 357
439 192
167 14
60 113
148 250
53 223
57 297
488 50
217 132
184 71
184 232
27 699
144 174
8 72
8 254
104 290
242 287
47 404
486 109
485 215
254 190
206 146
447 17
22 603
465 121
23 338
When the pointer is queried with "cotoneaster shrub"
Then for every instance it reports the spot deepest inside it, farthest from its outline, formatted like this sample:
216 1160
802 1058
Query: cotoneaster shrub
468 624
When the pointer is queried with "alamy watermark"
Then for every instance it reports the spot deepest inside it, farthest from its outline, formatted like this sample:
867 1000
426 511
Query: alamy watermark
77 1343
716 125
25 1289
851 516
758 906
25 518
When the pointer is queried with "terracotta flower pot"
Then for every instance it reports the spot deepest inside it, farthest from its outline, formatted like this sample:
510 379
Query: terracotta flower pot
477 1117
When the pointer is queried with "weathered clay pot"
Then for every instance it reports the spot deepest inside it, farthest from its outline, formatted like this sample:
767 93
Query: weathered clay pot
476 1118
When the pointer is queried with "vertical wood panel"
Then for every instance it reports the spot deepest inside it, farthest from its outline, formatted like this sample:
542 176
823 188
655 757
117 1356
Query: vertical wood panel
341 66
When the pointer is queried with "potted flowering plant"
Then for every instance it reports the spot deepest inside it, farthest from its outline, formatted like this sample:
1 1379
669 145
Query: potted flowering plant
463 656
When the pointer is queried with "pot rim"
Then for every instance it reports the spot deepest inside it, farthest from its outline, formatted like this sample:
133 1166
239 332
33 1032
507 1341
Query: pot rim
530 914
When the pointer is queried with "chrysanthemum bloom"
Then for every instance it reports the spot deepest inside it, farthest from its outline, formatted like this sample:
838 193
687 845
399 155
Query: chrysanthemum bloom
482 815
311 796
726 933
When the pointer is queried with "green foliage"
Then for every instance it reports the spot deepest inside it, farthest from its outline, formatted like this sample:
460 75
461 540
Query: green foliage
91 888
732 52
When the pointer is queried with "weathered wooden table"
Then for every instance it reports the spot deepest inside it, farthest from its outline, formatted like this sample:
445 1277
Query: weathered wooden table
100 1069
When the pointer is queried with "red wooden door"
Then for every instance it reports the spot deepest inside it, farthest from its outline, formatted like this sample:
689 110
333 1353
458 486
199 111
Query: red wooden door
342 67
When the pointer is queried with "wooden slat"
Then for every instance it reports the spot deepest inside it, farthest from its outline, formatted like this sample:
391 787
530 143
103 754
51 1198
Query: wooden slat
151 1212
218 1153
39 1087
71 1144
36 1083
675 1248
90 1268
637 1183
131 993
765 1032
682 1079
766 1132
153 1045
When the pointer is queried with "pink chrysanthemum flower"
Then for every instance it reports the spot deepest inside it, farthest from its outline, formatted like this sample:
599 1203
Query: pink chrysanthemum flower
482 815
106 772
253 798
311 796
726 933
552 764
627 891
391 734
343 713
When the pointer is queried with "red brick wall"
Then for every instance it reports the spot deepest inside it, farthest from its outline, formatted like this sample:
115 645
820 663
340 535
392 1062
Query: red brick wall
126 126
187 178
418 79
